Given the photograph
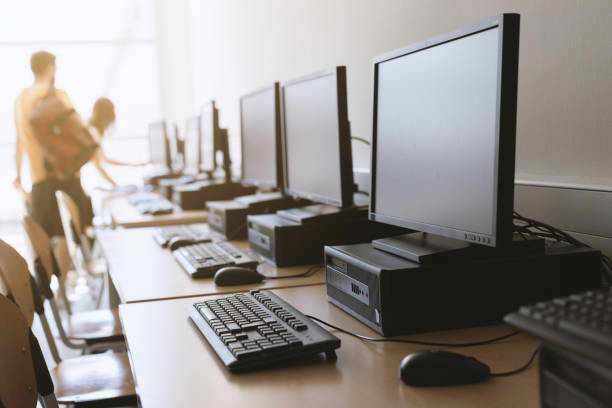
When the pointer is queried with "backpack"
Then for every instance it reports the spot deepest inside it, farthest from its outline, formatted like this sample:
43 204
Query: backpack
66 143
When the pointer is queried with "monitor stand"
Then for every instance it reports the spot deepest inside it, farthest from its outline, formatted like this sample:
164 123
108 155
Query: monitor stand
322 213
424 248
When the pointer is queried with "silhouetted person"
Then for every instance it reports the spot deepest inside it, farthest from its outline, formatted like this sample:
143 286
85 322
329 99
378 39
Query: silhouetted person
102 117
41 201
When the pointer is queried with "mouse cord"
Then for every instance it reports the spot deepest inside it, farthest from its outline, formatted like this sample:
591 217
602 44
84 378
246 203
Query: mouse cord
518 370
422 343
309 272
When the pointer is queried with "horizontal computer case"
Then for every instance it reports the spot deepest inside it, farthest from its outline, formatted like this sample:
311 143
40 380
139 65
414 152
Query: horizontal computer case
230 217
287 243
569 380
394 296
194 196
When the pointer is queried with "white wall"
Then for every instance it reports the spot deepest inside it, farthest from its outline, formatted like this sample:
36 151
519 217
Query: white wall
565 74
174 54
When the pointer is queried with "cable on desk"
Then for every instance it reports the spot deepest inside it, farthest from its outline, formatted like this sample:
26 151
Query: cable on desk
422 343
309 272
518 370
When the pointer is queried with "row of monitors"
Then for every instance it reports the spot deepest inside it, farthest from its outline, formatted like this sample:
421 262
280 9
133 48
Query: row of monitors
443 134
202 140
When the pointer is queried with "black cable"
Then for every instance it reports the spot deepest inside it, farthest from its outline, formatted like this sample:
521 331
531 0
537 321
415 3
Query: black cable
362 140
518 370
309 272
422 343
543 230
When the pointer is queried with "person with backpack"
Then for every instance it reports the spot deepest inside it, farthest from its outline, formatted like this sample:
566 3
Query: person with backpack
102 117
48 169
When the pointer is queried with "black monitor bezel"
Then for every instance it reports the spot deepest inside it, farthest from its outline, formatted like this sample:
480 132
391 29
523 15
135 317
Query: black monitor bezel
189 122
344 141
278 183
505 144
166 142
216 135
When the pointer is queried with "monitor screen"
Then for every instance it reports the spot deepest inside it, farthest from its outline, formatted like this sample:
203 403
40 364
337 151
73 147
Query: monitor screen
207 136
259 130
192 144
316 141
436 161
158 144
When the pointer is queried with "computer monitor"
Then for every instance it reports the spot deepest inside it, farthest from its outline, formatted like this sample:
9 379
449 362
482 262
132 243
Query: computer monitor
444 122
316 140
191 146
260 137
158 144
209 129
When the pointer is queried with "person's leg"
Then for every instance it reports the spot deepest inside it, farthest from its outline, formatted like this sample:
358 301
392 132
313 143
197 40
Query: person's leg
73 188
44 207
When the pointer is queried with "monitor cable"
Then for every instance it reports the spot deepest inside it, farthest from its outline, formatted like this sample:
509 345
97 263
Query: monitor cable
362 140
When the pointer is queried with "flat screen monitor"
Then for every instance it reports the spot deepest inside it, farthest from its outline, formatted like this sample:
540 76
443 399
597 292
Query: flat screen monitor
316 140
208 136
191 147
260 136
444 122
158 144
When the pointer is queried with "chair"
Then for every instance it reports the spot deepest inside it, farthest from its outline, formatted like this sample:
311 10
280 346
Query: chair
100 379
76 237
22 384
95 330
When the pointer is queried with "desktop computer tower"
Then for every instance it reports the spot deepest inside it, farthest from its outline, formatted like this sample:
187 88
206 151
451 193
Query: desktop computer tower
229 218
194 196
394 296
288 243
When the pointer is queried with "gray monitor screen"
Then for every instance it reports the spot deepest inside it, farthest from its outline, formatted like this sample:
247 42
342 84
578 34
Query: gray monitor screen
436 131
157 143
312 137
258 116
207 141
192 144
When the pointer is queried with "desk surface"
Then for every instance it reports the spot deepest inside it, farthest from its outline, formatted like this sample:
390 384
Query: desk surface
174 366
125 215
141 270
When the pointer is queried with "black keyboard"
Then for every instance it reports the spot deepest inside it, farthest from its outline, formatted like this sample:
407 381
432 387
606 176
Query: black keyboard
581 323
163 235
250 330
150 203
202 260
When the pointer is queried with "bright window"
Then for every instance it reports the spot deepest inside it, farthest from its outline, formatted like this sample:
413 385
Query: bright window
103 48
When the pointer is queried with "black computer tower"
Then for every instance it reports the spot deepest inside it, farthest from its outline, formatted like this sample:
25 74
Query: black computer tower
394 296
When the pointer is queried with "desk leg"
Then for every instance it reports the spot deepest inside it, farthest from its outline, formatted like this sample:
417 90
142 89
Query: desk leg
113 296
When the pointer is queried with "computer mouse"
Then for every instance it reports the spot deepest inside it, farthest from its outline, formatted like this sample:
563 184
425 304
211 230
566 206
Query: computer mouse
237 275
436 367
177 242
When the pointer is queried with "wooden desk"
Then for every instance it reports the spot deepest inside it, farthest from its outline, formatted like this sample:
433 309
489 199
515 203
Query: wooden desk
174 366
141 270
125 215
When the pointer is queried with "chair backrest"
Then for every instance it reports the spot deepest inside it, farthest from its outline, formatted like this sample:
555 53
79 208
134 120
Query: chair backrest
71 219
40 244
16 280
18 387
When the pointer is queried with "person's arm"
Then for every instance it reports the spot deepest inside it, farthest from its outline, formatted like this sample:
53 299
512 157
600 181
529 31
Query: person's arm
19 154
96 160
18 146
